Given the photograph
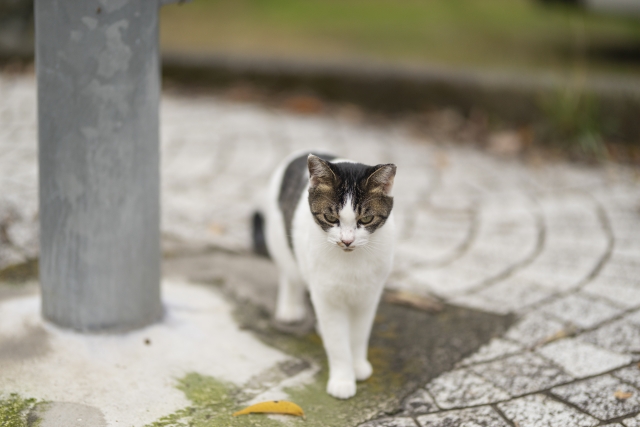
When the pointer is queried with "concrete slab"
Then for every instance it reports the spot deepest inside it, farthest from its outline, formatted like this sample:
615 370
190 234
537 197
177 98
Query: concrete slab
130 378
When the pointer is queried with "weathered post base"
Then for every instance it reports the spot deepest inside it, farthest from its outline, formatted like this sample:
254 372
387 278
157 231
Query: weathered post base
98 101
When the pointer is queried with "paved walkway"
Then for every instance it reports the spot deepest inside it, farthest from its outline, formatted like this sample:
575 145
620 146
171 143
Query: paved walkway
557 244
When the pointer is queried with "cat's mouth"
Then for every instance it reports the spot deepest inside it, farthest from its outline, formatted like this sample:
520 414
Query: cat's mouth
348 249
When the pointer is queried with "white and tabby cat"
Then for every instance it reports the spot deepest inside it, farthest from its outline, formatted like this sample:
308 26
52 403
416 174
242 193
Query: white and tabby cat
329 226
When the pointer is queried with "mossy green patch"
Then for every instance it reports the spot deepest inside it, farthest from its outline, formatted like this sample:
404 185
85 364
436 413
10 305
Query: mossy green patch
214 403
19 273
14 411
408 347
575 122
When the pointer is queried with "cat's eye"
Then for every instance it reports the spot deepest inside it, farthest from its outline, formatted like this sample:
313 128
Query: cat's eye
366 219
331 218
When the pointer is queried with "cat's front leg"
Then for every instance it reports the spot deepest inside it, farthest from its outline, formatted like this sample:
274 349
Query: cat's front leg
362 316
333 319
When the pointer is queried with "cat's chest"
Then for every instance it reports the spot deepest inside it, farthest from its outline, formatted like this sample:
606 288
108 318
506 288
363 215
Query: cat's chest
323 263
350 284
350 272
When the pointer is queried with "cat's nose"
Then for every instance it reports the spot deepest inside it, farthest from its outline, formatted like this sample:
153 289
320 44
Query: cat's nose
347 242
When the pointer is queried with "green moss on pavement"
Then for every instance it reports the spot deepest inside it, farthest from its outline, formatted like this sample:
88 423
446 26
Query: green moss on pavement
14 411
19 273
408 347
213 405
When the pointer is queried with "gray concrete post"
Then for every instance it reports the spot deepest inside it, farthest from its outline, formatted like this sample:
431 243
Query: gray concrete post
98 99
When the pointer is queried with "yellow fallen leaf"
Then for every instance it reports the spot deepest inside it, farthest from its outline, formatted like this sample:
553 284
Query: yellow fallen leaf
272 407
216 229
622 395
562 333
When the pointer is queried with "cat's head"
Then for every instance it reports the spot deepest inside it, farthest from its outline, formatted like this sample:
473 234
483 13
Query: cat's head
350 201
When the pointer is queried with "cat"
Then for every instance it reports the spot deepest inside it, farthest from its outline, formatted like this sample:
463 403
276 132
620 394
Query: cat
329 228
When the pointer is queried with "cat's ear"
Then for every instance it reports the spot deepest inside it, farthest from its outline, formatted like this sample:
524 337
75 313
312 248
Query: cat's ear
319 171
381 179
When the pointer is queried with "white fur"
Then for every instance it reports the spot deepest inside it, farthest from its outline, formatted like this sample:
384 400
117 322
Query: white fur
345 285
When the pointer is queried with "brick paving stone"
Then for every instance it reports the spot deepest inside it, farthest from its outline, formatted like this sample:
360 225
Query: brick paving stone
582 359
478 302
446 282
634 317
522 373
619 272
434 236
514 294
391 422
581 311
624 294
10 256
620 336
630 374
495 349
553 277
454 199
473 417
419 402
632 422
562 266
460 388
624 266
534 328
596 396
492 261
538 410
627 244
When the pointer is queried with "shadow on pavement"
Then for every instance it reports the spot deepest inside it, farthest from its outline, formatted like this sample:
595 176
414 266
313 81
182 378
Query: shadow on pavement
408 347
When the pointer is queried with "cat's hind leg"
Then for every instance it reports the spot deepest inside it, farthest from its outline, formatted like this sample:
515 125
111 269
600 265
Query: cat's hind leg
290 306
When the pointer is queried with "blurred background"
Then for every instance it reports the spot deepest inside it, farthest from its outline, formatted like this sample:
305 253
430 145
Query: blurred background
563 75
520 35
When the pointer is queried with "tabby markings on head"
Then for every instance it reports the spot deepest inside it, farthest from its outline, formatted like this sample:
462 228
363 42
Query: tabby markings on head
366 188
293 184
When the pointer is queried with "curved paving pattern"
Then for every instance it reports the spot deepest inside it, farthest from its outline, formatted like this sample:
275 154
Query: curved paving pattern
556 244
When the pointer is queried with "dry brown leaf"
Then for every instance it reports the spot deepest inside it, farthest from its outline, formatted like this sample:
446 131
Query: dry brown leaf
505 143
412 300
304 104
442 160
216 229
562 333
622 395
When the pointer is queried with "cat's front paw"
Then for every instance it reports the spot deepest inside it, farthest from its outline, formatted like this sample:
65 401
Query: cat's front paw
363 370
342 389
290 314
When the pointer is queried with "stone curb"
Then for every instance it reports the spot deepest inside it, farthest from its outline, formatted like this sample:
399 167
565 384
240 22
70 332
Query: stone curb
612 103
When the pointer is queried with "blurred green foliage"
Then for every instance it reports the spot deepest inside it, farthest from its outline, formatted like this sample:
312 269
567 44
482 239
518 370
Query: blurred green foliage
512 34
575 122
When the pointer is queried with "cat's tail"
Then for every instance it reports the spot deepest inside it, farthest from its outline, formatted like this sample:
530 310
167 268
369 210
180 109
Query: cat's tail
257 232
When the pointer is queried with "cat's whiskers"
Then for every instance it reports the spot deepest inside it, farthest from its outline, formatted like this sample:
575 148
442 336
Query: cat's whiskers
324 247
374 250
